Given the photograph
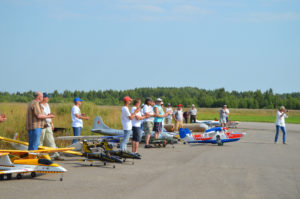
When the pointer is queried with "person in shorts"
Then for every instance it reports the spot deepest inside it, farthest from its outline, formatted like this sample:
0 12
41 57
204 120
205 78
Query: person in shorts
159 117
223 116
148 121
178 117
126 120
136 125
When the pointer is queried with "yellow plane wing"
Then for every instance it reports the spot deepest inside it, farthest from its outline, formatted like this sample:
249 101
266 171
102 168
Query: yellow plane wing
40 147
3 154
52 150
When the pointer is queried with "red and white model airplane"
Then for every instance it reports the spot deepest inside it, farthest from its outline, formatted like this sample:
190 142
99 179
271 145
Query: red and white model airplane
215 135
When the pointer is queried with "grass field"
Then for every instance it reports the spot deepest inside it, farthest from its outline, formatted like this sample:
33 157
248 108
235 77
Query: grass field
111 115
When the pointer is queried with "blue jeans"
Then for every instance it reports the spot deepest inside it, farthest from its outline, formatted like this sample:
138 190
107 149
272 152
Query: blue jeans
34 138
76 132
127 134
283 133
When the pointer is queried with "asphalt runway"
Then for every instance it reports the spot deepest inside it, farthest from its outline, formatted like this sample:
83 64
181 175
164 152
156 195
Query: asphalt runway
254 167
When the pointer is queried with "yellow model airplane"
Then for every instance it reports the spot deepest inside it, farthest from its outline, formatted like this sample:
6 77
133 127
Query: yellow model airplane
24 146
20 162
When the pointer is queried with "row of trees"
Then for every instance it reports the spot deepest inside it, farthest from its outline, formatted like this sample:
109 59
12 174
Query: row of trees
183 95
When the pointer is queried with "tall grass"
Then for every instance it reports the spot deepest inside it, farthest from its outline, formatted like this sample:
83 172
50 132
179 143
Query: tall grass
16 114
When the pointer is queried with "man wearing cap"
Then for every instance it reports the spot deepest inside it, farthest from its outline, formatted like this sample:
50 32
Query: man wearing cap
126 118
169 117
178 117
159 117
148 122
77 118
35 121
47 138
193 114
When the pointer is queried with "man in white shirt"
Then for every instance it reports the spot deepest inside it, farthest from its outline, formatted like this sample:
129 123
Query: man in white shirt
223 112
136 125
47 138
280 123
169 117
77 117
193 114
126 118
148 123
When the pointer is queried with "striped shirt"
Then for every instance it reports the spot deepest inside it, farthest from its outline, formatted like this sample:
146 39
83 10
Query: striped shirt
32 120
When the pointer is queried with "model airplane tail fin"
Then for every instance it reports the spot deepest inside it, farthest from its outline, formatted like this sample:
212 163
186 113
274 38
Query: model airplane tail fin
214 129
99 124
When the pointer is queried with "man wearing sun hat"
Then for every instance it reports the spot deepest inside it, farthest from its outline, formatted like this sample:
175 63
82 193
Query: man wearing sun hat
178 117
47 138
126 118
77 118
159 117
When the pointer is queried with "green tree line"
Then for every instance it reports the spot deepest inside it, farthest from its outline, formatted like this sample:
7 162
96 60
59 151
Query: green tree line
184 95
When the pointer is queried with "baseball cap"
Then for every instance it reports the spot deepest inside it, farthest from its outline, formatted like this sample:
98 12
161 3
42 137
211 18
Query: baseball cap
77 99
127 98
193 104
159 100
179 105
46 95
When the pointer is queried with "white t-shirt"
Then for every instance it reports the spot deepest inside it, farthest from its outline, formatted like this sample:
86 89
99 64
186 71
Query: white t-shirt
126 122
227 111
280 121
47 111
148 109
136 122
171 110
178 115
76 121
193 111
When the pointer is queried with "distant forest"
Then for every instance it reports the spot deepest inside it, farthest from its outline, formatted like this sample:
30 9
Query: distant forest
184 95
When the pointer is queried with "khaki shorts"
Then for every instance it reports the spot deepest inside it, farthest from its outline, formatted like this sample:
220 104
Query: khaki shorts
178 125
148 127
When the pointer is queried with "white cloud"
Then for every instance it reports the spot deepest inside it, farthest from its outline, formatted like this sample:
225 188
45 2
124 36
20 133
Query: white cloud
190 9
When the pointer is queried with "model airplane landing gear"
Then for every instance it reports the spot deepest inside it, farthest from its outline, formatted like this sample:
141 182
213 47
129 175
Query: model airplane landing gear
8 176
61 177
19 176
1 177
33 174
219 141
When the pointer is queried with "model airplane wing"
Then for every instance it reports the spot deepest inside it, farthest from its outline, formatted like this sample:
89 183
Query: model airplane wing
20 152
24 146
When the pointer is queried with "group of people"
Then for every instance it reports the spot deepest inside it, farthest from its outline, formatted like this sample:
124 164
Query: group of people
40 126
148 117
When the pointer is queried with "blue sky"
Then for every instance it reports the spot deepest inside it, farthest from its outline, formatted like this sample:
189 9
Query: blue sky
123 44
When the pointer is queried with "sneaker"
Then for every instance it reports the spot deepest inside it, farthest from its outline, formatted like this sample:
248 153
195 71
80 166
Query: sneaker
284 143
148 146
138 154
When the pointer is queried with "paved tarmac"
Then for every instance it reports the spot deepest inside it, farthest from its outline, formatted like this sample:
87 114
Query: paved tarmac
253 168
